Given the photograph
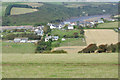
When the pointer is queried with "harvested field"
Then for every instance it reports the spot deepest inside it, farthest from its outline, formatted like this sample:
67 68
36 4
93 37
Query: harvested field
70 49
101 36
17 11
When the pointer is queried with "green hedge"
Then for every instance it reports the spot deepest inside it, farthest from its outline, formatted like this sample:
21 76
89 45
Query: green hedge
8 9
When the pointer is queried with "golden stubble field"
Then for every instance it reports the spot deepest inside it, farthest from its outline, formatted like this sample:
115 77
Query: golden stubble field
101 36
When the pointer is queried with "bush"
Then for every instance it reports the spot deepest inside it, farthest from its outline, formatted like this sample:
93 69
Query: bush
59 51
8 9
90 49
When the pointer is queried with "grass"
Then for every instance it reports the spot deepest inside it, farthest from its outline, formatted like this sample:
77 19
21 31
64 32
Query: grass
73 42
18 11
61 33
102 65
18 47
108 25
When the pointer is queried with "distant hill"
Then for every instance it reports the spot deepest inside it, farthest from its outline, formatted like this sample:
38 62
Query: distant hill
56 13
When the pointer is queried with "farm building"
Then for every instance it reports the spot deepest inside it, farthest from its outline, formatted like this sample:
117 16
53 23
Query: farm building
70 27
54 38
21 40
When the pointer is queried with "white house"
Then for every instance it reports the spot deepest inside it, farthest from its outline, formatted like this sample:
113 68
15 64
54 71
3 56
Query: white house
48 38
21 40
54 38
66 22
63 39
70 27
52 26
100 21
39 32
73 23
16 40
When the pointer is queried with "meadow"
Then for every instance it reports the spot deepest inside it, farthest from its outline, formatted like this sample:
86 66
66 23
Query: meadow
73 42
108 25
102 65
61 33
18 11
8 47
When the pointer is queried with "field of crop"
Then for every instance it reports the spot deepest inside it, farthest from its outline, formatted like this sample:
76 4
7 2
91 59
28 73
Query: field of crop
60 65
18 11
61 33
108 25
18 47
101 36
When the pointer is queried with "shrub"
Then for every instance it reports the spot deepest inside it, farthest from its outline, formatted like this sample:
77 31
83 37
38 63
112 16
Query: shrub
8 9
59 51
90 49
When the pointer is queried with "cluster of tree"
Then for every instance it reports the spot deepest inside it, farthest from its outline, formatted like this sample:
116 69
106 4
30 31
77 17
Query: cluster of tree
31 36
101 48
57 13
9 7
47 29
43 46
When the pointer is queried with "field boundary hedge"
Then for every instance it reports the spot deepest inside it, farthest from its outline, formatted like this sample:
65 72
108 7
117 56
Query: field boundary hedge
9 7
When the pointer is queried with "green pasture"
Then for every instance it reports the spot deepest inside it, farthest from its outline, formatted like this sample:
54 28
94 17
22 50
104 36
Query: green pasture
102 65
8 47
108 25
61 33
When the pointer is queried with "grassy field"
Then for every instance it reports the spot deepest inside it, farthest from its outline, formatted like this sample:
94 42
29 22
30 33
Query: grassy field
73 42
18 47
108 25
61 33
18 11
60 65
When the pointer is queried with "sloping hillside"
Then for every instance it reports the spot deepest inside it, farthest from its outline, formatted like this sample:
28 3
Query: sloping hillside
56 13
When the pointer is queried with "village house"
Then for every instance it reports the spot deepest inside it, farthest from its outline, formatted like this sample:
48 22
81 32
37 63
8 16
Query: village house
100 21
63 39
39 30
20 40
54 38
70 27
52 26
66 22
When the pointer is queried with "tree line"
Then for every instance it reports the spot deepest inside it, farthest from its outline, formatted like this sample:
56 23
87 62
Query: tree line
104 48
9 7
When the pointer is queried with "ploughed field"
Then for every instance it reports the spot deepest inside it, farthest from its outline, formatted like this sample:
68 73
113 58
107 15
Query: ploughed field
104 65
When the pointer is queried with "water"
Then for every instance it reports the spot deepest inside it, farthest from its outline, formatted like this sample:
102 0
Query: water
83 18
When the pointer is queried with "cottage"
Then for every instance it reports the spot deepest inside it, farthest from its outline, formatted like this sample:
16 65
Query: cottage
16 40
73 23
70 27
63 39
100 21
52 26
39 32
48 38
54 38
66 22
21 40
